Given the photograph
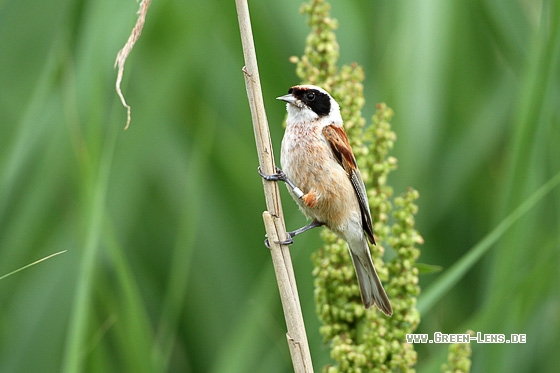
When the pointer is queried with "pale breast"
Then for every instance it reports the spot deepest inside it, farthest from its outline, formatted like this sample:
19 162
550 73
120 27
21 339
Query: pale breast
307 160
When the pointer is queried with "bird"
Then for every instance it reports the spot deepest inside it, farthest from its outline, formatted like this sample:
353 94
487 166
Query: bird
320 170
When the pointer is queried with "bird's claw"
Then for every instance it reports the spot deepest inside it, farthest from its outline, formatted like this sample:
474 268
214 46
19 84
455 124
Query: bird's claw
281 176
291 235
278 176
287 241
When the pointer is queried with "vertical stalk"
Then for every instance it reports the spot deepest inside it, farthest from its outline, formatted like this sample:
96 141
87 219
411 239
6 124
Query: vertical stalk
273 217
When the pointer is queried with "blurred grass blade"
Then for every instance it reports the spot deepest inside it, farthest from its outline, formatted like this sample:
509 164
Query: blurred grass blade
445 282
128 309
32 264
95 209
425 269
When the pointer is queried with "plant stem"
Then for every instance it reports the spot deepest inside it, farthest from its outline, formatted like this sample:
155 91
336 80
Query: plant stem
273 218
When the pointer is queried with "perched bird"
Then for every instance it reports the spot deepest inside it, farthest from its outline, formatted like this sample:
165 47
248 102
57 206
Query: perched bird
320 169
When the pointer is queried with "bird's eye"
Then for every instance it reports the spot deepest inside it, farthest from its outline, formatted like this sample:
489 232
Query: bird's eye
310 96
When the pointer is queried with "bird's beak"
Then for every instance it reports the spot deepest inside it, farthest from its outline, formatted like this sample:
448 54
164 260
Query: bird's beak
289 98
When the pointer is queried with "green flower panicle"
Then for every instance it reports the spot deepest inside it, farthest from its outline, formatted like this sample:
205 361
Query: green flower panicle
363 340
318 63
458 358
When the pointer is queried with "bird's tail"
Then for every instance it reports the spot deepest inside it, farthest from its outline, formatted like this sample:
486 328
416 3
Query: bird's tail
370 286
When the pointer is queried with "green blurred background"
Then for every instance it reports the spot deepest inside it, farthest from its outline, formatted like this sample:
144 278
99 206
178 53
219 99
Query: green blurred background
165 268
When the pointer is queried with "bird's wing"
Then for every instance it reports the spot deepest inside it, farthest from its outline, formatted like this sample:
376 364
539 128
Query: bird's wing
342 151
